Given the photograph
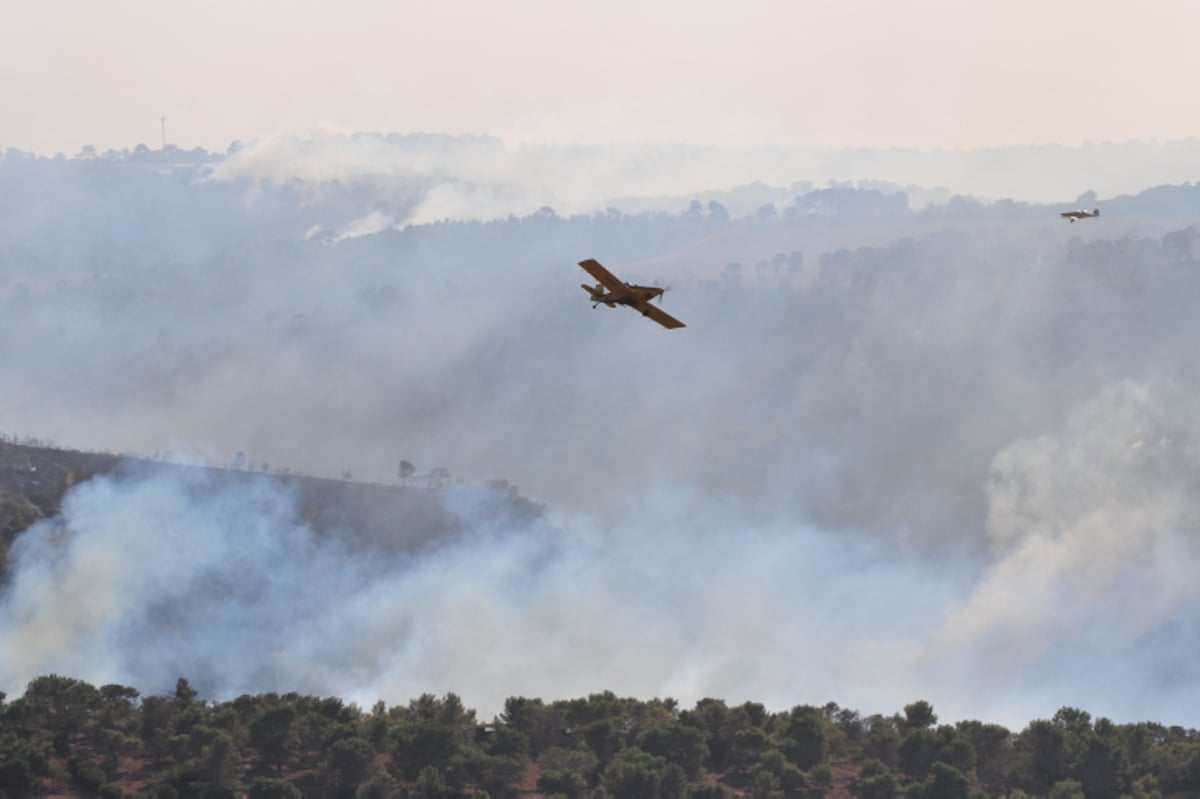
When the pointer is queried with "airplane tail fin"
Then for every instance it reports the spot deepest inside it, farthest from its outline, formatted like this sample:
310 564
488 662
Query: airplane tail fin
595 292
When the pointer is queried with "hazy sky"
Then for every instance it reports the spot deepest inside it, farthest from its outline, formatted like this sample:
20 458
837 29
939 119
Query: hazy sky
926 73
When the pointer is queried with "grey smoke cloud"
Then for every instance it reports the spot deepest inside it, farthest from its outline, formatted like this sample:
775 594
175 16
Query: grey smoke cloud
150 576
1094 533
431 178
153 575
931 467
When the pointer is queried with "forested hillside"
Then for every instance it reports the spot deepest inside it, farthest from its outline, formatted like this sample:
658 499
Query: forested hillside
911 443
405 517
326 470
64 737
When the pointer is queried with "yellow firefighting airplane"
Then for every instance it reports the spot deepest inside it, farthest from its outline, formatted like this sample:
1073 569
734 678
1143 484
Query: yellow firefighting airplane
622 293
1080 214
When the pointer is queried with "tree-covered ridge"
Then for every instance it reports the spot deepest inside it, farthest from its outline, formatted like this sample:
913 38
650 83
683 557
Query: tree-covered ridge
403 517
67 737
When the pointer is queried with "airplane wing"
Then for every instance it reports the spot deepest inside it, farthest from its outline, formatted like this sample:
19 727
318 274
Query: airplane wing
606 278
659 315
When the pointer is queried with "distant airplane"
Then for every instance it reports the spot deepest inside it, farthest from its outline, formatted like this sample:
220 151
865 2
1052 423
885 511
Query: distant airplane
1080 214
622 293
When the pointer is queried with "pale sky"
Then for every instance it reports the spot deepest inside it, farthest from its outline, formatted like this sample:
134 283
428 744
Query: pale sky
878 73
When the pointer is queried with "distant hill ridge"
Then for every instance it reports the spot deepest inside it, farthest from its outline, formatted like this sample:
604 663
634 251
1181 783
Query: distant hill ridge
35 479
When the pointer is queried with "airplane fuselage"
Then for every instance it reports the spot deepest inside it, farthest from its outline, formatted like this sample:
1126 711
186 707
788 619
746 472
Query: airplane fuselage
638 295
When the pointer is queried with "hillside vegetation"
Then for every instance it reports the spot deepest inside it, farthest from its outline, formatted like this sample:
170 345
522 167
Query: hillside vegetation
390 519
66 737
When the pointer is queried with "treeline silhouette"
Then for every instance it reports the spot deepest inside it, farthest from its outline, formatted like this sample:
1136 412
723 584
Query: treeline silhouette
65 736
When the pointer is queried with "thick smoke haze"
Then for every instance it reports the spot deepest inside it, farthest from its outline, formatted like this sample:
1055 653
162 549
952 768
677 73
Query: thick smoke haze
151 576
432 178
901 451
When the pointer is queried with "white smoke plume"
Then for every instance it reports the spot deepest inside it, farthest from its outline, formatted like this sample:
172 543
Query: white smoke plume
154 575
1096 534
430 177
892 456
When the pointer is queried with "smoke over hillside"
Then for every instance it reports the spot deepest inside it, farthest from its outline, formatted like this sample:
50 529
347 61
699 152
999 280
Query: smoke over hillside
952 461
432 177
